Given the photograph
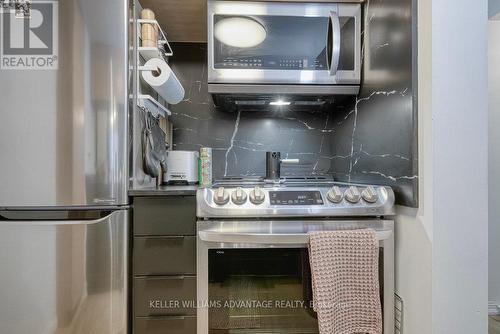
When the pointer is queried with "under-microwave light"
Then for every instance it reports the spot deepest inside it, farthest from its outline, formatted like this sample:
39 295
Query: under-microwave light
240 32
280 103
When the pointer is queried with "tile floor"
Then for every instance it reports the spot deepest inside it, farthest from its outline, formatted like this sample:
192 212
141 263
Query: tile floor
494 325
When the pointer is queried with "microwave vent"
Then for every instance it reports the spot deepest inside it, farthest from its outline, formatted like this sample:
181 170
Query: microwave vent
232 102
309 103
250 102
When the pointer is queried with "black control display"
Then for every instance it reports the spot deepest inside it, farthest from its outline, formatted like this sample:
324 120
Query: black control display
272 63
295 198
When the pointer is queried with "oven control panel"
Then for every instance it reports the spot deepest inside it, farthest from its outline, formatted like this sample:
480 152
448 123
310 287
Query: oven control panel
288 201
295 198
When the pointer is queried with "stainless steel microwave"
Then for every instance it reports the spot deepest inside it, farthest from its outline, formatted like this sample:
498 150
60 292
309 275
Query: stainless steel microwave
284 47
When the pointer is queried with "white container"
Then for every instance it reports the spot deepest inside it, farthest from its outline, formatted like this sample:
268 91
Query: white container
182 167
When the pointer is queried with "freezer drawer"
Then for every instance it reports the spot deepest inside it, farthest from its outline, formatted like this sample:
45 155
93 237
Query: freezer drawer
64 276
162 325
172 215
166 295
164 255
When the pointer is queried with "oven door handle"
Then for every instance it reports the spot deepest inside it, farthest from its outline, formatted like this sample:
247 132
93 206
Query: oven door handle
334 43
268 238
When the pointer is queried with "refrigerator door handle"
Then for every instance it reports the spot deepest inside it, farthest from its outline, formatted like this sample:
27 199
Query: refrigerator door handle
59 222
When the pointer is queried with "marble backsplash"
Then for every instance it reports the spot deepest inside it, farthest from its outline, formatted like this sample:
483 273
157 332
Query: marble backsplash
241 139
378 141
365 140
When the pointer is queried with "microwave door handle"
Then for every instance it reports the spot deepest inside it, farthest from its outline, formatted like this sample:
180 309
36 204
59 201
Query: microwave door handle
335 43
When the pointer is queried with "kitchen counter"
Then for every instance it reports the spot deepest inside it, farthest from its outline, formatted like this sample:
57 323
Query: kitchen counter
164 191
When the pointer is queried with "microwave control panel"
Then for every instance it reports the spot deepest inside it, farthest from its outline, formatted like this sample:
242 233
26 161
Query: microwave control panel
272 63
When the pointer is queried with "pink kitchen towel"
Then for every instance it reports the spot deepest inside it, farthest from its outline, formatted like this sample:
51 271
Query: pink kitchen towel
346 292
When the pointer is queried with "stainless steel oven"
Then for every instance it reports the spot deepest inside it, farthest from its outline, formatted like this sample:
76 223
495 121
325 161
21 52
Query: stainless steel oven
254 275
253 272
267 44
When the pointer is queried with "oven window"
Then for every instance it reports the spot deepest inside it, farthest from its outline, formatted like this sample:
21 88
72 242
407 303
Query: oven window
289 43
260 291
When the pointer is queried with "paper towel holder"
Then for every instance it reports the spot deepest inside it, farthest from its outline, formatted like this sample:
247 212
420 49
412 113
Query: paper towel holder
151 105
154 105
148 52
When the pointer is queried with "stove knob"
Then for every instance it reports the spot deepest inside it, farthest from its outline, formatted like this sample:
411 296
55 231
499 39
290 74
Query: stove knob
239 196
221 196
335 195
352 194
369 195
257 196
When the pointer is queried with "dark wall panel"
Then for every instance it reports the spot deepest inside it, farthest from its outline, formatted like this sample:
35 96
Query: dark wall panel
240 139
370 140
378 136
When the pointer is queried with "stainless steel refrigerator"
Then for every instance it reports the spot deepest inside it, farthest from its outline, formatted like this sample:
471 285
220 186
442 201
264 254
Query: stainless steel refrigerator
64 169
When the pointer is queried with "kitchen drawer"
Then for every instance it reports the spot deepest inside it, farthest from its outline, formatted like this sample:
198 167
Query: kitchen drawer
172 215
166 295
164 255
164 325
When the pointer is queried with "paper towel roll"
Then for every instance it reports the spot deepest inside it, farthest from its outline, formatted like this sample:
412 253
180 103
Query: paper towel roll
163 81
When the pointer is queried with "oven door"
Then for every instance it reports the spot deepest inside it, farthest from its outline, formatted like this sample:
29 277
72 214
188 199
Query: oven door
284 43
254 276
